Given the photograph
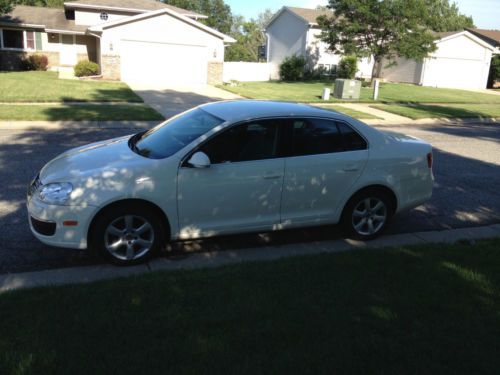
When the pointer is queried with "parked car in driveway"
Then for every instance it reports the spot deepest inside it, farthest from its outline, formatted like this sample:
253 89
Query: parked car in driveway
228 167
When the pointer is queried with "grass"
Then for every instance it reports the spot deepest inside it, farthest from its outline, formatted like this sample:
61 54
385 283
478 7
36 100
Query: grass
407 310
78 112
46 87
441 111
310 92
349 112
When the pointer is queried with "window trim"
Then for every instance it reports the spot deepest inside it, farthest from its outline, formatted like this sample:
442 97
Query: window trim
185 158
25 40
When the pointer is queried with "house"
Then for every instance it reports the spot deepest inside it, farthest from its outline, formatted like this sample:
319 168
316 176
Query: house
131 40
462 60
295 31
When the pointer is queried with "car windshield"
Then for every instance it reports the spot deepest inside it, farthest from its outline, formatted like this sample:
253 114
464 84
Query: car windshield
166 139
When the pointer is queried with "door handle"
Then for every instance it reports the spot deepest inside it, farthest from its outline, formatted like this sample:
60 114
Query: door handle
269 176
350 169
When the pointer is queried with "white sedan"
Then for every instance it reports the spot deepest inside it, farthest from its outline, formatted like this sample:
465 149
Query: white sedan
228 167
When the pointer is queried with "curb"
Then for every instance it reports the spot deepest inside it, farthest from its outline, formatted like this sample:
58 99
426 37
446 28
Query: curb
88 274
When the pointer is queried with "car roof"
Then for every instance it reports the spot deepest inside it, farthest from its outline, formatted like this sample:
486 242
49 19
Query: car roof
239 110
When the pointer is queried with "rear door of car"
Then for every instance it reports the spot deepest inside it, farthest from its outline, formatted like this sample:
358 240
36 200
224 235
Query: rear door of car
324 159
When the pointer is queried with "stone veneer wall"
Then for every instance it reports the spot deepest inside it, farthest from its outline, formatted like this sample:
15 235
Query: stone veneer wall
215 73
110 66
11 60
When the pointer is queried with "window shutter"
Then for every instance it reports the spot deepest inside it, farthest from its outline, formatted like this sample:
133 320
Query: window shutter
38 40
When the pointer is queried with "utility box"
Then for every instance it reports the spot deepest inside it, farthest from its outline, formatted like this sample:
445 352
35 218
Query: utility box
347 89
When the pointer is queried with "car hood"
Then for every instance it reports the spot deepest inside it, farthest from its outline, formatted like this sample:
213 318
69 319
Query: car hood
82 161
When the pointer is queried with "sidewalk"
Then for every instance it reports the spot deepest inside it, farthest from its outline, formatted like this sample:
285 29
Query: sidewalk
220 258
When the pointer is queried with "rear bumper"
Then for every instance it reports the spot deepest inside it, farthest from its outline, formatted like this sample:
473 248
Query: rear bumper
414 192
46 223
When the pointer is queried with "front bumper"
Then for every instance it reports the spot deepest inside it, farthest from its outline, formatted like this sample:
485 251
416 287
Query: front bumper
45 219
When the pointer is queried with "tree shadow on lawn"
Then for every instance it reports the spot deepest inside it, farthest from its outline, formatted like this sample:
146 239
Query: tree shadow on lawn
465 195
421 310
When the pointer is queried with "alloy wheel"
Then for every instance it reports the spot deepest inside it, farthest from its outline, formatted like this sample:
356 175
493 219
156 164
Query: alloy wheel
369 216
129 237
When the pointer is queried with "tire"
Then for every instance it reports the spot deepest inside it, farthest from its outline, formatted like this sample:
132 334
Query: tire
367 215
127 234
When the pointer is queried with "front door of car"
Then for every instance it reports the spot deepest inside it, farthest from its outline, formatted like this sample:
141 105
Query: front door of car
240 190
326 157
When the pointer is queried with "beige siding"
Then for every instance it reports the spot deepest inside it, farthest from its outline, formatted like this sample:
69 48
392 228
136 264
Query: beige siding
408 71
91 17
286 37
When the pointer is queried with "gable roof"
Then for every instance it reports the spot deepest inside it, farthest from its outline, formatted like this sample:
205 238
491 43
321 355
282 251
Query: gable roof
139 17
138 6
450 35
309 15
489 36
41 18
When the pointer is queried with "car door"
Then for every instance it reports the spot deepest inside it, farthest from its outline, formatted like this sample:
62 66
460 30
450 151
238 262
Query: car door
241 190
326 157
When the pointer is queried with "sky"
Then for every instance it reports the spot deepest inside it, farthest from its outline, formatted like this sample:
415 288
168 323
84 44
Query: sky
486 13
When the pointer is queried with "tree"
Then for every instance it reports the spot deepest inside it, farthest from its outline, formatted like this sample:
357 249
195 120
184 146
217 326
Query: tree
378 28
218 12
249 36
443 16
5 6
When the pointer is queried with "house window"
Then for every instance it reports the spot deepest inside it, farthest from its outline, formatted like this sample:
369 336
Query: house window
13 39
30 40
104 16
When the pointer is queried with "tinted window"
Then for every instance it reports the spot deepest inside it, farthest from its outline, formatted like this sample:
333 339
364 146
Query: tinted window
171 136
315 136
252 141
13 39
351 139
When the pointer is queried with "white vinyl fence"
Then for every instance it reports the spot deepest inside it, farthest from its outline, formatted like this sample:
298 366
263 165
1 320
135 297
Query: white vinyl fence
245 71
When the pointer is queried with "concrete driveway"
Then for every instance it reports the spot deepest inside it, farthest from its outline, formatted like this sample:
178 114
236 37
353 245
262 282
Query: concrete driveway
175 99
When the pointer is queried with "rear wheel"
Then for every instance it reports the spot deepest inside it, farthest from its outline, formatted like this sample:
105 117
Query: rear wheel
367 214
127 235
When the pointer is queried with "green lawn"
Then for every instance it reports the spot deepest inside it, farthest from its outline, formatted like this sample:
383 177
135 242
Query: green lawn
439 111
349 112
310 92
46 87
78 112
407 310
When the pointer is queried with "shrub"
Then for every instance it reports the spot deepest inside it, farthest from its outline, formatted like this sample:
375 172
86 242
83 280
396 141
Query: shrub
347 67
494 71
86 68
292 68
35 62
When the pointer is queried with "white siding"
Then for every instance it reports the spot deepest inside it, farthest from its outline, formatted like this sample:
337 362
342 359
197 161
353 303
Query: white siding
90 17
408 71
162 29
246 71
286 37
317 50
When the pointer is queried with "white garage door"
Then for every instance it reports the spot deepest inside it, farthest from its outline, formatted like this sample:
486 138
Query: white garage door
162 63
454 73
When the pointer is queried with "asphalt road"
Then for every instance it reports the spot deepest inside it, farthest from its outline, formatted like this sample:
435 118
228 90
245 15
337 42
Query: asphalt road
467 192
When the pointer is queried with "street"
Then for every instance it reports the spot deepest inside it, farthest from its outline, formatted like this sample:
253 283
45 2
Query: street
466 168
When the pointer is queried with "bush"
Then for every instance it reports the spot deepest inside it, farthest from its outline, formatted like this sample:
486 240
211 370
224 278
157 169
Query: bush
86 68
494 75
292 68
35 62
347 67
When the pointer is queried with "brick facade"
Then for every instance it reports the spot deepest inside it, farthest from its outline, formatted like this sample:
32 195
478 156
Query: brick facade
110 67
215 73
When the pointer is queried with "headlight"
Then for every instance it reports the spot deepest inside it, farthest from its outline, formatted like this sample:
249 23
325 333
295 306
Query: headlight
55 193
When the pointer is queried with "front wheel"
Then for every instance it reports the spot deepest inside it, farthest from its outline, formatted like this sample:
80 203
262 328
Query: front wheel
127 235
366 215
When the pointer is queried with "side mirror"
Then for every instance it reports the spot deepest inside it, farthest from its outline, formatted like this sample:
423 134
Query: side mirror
199 160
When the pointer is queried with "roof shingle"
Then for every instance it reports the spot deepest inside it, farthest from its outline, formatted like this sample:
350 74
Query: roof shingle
310 15
489 36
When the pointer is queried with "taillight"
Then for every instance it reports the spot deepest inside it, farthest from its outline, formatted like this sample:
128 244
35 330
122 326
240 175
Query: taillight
429 160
